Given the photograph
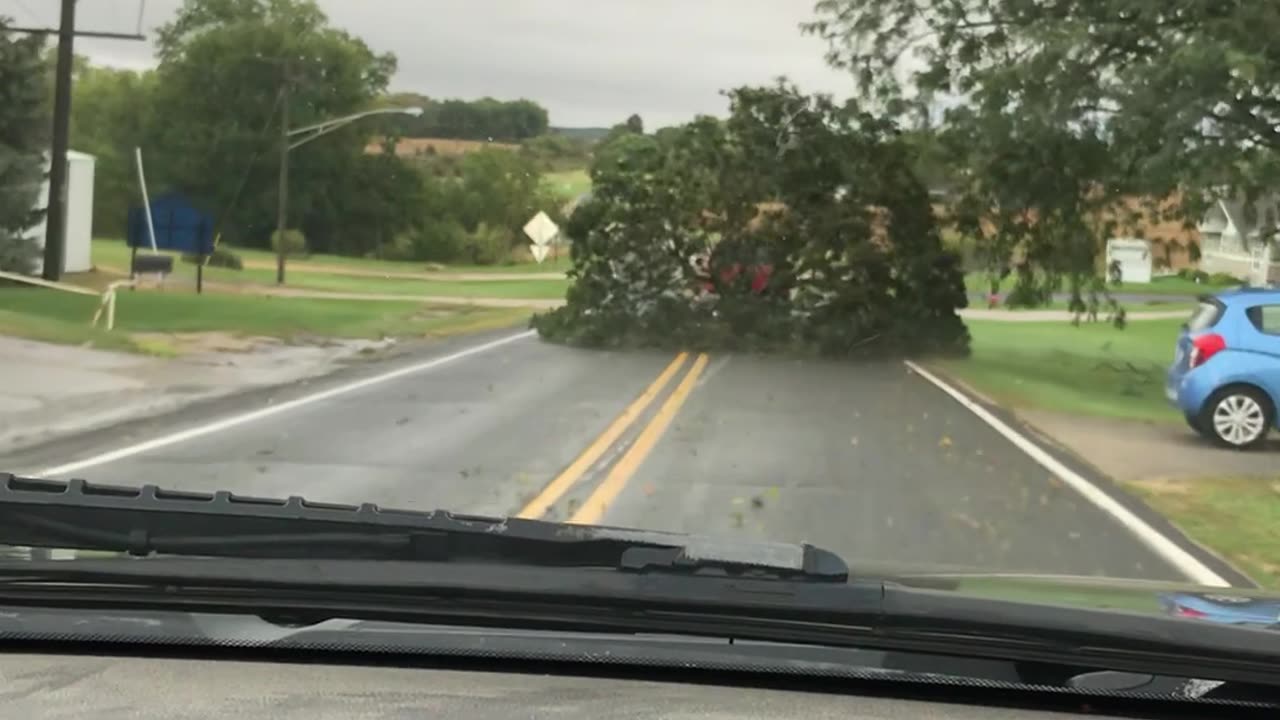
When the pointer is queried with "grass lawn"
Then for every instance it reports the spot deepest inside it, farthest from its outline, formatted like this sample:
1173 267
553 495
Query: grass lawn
979 282
63 317
526 289
1172 303
115 254
568 184
1093 369
1236 517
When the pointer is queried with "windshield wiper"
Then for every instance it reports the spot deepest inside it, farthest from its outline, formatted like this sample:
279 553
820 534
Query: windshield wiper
148 520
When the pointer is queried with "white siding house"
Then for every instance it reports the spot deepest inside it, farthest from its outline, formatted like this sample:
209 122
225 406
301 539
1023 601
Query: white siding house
1231 243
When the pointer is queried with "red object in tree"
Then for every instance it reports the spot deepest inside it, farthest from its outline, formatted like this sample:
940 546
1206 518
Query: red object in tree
760 275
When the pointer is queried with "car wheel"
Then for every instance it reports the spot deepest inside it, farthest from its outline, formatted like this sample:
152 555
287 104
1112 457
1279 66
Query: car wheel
1237 417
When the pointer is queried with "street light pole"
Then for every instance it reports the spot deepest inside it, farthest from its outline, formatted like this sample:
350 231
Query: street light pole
282 199
308 133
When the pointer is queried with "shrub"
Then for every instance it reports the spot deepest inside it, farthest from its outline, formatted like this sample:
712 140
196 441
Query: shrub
18 254
439 241
220 257
293 243
1221 278
487 245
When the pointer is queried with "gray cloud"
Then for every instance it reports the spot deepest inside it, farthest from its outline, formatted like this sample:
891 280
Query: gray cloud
590 62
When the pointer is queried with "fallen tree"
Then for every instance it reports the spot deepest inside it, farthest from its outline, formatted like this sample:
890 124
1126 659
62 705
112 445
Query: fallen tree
795 225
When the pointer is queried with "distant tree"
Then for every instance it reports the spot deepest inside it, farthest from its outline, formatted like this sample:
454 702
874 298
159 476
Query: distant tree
22 142
635 124
363 212
482 119
110 116
1140 96
501 189
217 135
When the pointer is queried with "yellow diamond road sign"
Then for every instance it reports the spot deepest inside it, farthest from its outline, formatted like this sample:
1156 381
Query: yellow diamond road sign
541 230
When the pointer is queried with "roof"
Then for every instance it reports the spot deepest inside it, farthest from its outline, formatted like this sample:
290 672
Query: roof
1263 213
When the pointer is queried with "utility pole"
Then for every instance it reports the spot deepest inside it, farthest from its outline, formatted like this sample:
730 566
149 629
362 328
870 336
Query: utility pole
56 213
55 228
282 192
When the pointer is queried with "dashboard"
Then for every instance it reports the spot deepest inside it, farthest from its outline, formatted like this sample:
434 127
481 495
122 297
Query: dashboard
105 664
118 688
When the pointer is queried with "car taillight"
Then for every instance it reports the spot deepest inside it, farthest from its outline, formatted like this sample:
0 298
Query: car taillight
1187 612
1204 347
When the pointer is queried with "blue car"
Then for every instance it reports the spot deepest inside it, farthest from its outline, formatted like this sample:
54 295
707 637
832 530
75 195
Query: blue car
1225 375
1227 609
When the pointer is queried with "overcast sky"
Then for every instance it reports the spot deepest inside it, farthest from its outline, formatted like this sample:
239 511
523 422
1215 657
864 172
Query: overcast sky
589 62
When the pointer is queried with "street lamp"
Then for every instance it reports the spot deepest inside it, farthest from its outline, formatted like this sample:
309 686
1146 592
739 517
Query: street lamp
296 137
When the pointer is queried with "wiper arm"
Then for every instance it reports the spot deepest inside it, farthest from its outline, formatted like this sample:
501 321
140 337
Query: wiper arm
148 520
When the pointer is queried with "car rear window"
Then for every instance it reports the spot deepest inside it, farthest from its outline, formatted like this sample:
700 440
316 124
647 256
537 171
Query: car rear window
1266 318
1204 316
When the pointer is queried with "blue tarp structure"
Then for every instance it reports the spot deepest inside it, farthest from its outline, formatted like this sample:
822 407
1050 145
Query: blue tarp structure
179 226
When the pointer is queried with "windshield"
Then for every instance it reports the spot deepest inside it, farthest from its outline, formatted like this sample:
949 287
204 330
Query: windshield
898 282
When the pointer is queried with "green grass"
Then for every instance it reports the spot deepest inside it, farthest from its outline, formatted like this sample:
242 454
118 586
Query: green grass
1173 303
568 184
63 317
559 264
1236 517
524 289
1093 369
71 329
114 253
979 282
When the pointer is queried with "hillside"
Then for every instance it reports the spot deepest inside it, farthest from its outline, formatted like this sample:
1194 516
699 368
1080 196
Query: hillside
413 147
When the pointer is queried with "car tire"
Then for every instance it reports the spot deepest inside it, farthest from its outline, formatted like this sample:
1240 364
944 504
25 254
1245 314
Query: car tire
1237 416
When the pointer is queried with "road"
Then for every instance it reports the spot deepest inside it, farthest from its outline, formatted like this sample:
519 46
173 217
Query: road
868 460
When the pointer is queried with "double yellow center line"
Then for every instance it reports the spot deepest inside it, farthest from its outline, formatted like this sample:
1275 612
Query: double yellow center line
598 502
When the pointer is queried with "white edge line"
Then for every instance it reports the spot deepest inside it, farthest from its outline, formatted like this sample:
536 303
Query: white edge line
1180 559
242 418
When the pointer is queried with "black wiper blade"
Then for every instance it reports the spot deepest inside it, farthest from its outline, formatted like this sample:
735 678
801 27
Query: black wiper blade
148 520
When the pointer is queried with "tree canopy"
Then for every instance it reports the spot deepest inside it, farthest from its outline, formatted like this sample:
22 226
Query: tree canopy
23 131
1061 108
214 136
819 196
216 133
483 119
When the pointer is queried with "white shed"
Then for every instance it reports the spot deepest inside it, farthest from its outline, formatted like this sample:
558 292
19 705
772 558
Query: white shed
1134 258
80 171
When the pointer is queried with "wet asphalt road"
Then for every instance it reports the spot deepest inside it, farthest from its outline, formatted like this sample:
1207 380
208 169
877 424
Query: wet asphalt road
868 460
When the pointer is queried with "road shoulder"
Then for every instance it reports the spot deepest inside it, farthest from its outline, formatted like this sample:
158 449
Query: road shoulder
76 397
1114 490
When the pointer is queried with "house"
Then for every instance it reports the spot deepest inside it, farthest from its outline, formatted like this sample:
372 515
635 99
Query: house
1159 222
1240 240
